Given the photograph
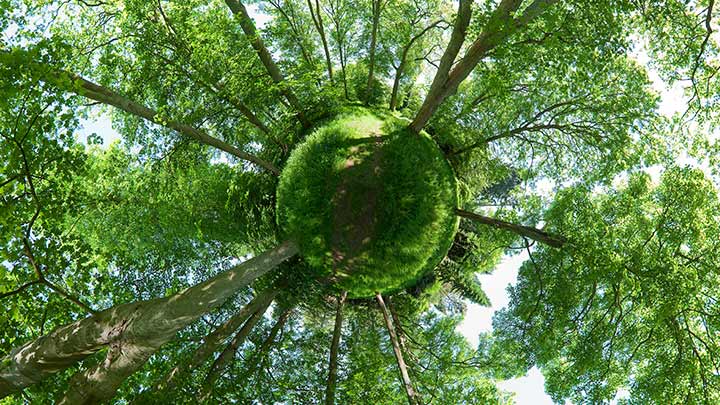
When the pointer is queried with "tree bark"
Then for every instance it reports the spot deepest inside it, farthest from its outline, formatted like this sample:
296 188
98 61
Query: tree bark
332 368
228 354
73 83
248 27
535 234
376 10
403 60
131 333
499 27
214 341
260 354
317 21
413 397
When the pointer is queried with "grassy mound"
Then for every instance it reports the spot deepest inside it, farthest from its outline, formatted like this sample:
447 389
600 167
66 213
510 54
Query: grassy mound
370 203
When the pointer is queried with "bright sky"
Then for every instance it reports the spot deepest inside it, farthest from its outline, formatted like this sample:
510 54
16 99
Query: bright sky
528 390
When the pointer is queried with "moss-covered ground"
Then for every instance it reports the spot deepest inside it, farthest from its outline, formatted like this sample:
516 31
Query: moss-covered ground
370 203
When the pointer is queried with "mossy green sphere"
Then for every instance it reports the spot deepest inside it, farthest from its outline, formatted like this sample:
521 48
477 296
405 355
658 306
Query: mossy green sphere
371 204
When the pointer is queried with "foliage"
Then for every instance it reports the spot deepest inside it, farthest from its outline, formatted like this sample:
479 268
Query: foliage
633 303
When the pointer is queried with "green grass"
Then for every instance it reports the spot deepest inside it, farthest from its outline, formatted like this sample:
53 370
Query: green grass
370 204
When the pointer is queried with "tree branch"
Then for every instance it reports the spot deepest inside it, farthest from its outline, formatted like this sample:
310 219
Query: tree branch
535 234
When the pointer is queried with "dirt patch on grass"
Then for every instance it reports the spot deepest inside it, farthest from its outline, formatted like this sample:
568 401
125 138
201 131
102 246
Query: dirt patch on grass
355 205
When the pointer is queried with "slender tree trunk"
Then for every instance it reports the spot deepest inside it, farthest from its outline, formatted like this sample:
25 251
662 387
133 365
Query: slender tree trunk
248 27
500 26
131 333
259 355
535 234
457 38
214 341
78 85
332 369
376 8
403 61
317 21
396 82
344 74
413 397
228 354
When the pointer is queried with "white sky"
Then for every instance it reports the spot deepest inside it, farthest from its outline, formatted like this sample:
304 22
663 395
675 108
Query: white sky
528 390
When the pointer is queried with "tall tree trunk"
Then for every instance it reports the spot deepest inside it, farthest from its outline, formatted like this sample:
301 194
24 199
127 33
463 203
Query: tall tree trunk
214 341
317 21
403 61
332 368
228 354
499 27
131 333
457 38
376 9
248 27
259 355
73 83
413 397
535 234
344 74
396 82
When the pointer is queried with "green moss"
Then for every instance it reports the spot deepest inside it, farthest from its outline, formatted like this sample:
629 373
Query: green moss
370 204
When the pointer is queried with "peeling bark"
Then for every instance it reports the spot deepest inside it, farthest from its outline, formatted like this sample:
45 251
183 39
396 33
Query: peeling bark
131 333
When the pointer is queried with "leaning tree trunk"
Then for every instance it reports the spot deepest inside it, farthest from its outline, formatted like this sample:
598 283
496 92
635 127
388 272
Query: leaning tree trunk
260 354
228 354
317 21
535 234
238 9
73 83
413 397
332 368
503 22
214 341
131 333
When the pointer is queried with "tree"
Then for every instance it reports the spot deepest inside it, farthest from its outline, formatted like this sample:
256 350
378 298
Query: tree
261 234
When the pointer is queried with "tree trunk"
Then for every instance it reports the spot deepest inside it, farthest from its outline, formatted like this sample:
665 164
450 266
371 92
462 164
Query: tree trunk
260 354
500 26
457 38
131 332
413 398
248 27
317 21
332 369
73 83
215 340
403 60
344 74
396 82
535 234
376 8
228 354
